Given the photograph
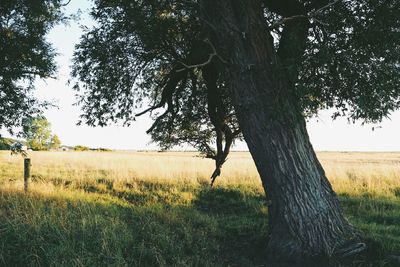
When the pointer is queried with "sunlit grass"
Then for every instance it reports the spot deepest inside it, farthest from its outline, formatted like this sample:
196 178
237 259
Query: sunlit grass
156 209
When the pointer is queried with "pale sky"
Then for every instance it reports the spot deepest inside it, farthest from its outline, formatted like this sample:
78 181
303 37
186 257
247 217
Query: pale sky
325 134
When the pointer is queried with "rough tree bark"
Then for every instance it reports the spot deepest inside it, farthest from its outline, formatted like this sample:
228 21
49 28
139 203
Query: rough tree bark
305 219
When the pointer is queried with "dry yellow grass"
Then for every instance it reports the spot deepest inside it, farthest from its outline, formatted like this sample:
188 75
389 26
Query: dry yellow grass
349 172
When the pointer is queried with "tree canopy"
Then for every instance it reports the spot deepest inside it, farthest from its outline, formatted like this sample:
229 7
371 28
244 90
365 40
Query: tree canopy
37 131
55 142
142 58
159 53
352 60
25 55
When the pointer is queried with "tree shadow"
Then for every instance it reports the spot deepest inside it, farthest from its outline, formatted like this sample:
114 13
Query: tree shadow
151 224
377 218
113 228
241 218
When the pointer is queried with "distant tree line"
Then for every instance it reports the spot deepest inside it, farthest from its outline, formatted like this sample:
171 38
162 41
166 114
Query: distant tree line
85 148
37 134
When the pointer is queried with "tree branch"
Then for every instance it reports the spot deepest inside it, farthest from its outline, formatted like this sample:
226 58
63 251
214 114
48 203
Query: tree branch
67 3
223 157
310 15
172 80
208 61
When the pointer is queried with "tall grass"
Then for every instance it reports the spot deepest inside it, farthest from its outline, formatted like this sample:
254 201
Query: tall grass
156 209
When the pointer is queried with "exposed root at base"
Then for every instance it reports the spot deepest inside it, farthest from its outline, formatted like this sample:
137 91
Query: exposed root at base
350 250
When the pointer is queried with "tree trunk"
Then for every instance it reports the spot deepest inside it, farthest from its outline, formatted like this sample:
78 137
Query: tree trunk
305 219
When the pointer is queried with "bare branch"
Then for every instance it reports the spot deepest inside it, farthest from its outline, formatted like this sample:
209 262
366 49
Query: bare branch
310 15
159 105
325 7
284 20
66 4
208 61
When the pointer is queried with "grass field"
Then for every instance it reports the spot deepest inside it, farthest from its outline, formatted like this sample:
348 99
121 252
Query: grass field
156 209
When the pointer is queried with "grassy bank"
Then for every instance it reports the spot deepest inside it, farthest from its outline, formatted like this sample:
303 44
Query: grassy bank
156 209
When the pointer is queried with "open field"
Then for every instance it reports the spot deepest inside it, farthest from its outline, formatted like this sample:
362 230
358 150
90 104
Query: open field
156 209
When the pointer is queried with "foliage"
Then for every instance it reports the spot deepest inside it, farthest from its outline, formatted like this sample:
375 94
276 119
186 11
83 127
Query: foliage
162 52
142 58
19 149
37 131
81 148
97 215
25 55
55 142
85 148
5 143
352 60
15 146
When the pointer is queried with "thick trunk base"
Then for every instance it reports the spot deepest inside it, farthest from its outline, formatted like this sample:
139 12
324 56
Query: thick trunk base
344 257
291 254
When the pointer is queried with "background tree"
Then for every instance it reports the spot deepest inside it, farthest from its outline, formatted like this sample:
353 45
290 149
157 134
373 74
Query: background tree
25 55
37 131
216 69
55 142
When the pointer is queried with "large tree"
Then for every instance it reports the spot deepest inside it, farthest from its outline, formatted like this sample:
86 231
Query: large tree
226 69
25 55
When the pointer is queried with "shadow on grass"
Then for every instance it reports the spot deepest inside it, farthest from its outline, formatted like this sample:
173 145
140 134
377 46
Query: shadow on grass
378 220
116 229
242 223
151 224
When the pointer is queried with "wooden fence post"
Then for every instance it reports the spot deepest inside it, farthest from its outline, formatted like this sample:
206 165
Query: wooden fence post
27 172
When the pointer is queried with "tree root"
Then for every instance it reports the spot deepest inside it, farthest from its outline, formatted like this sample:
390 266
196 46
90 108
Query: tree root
393 258
350 250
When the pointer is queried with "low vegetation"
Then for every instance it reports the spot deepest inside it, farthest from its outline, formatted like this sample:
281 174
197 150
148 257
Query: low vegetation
5 143
85 148
157 209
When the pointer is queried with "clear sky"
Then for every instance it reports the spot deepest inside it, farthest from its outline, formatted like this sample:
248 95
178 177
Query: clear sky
325 134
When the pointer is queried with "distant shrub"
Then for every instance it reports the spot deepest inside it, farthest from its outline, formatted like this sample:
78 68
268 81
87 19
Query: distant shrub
101 149
81 148
85 148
